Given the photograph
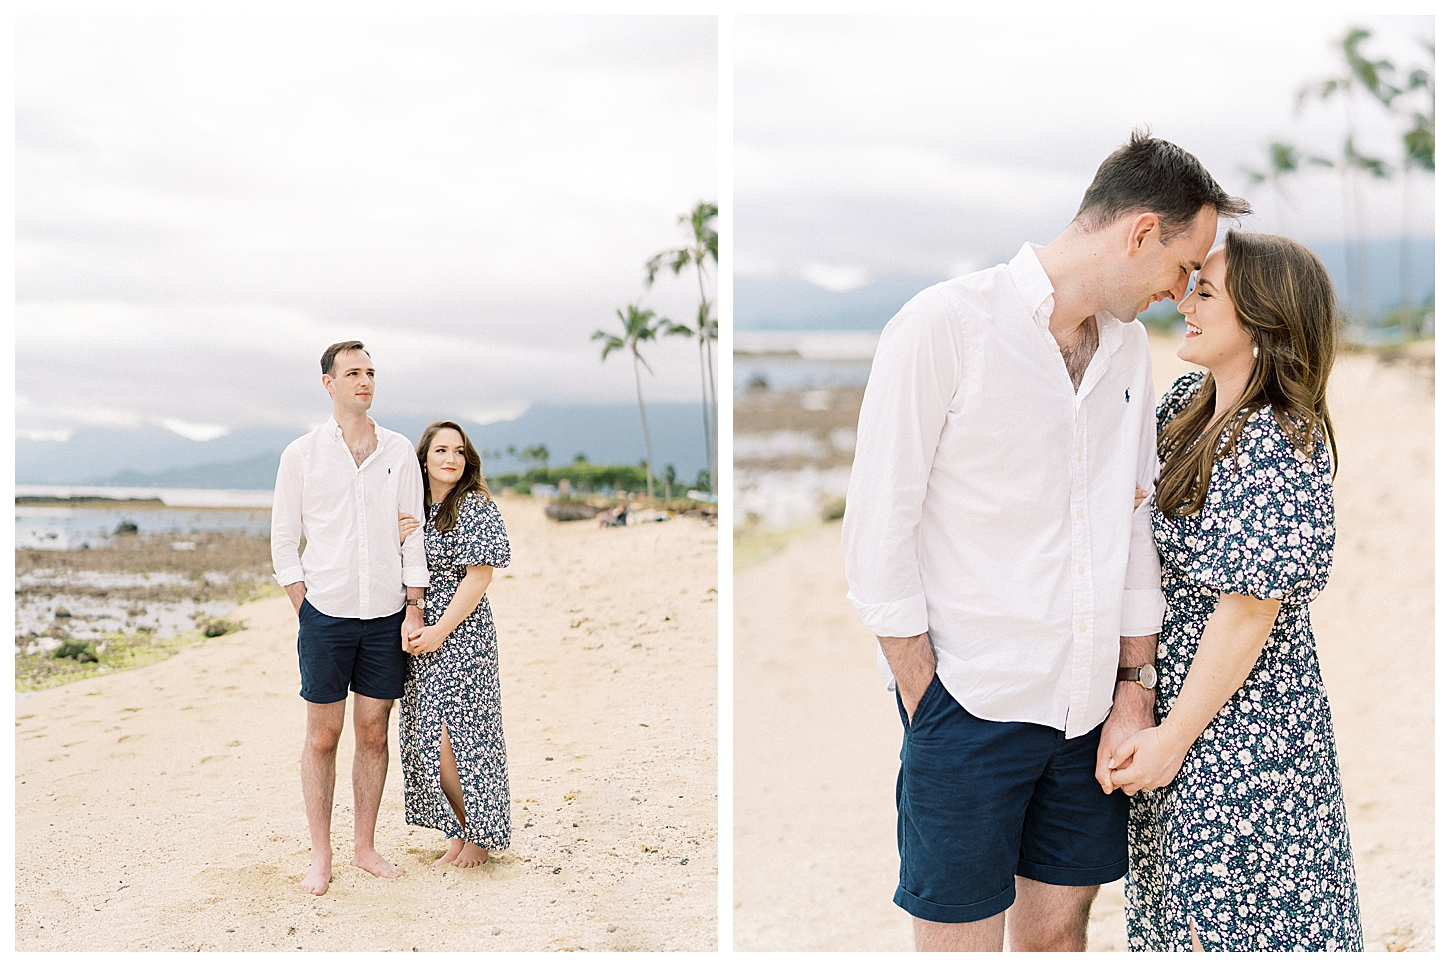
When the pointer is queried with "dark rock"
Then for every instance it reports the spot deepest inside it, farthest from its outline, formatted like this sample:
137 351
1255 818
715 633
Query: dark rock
126 527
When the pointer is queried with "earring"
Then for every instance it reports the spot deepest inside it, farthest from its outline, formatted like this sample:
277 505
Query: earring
1256 352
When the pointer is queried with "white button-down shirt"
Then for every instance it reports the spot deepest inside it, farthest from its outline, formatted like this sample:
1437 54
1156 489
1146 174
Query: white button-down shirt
991 505
352 565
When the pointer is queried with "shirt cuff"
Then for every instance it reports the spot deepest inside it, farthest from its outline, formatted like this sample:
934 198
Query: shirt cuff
290 575
415 577
895 619
1142 612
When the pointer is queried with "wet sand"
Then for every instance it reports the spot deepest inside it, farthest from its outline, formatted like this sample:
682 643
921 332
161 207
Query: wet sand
817 734
160 808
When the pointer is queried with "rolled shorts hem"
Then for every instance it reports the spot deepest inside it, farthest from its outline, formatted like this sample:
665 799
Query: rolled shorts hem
381 698
954 913
324 700
1064 876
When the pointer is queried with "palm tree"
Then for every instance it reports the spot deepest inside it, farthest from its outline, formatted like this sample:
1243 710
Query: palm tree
1359 72
704 245
638 327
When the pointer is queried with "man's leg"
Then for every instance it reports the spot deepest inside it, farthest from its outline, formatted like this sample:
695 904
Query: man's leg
1046 916
319 775
369 772
981 935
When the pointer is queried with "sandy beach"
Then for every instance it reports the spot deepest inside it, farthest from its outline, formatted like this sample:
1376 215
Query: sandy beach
817 734
160 808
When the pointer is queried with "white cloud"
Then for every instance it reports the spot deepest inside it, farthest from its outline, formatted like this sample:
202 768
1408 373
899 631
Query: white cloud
203 204
200 432
835 278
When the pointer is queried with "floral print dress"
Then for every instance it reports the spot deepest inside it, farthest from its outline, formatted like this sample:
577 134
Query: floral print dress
1250 840
458 684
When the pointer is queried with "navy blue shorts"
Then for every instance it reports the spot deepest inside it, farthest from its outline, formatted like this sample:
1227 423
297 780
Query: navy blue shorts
335 653
980 802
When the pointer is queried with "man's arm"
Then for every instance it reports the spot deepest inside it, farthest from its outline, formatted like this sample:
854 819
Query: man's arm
1142 614
913 665
914 376
287 527
1132 706
415 560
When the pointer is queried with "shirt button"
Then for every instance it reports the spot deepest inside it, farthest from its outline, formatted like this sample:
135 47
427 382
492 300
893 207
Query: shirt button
1077 455
1080 569
1082 626
1079 511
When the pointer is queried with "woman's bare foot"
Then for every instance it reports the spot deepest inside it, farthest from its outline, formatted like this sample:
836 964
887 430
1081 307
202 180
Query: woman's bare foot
471 855
372 861
319 874
455 846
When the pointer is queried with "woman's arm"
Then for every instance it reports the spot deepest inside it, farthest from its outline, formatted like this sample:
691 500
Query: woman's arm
470 591
1232 641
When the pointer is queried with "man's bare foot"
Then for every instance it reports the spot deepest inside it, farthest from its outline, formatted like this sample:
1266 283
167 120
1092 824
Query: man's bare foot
319 874
372 861
455 846
471 855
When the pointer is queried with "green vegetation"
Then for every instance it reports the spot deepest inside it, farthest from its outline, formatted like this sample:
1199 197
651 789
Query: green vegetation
587 479
76 660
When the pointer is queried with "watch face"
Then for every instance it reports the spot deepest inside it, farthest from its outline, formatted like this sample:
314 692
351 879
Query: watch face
1148 676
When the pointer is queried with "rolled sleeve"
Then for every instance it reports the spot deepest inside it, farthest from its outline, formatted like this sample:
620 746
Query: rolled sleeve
914 376
287 520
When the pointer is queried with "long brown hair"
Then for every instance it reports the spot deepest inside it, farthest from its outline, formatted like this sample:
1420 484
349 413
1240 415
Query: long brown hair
470 482
1282 296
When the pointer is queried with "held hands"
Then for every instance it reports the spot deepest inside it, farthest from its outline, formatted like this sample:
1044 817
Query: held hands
1139 495
406 525
424 641
1149 759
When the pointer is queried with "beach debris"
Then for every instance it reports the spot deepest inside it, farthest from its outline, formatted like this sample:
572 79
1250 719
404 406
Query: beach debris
126 527
611 928
496 931
567 510
63 612
221 626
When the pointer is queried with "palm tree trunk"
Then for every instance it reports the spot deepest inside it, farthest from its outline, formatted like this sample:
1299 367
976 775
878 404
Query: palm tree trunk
649 457
712 416
705 412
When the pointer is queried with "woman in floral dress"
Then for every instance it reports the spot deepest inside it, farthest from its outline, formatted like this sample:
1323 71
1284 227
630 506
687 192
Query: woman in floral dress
451 722
1237 837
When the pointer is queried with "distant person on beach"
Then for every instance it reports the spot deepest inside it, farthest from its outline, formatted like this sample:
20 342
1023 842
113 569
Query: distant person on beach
450 724
1237 832
993 547
357 592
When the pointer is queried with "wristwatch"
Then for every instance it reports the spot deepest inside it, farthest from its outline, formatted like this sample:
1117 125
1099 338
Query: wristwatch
418 603
1145 675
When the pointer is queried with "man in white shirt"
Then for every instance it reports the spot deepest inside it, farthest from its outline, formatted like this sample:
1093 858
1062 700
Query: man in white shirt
993 547
342 487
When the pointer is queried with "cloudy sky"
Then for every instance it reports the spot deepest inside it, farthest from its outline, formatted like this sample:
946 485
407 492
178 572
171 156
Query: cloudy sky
203 204
873 146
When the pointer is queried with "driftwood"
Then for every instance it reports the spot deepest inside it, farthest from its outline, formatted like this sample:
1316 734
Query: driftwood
570 510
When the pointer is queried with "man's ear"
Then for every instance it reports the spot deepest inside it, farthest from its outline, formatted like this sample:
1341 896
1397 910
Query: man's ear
1144 227
327 383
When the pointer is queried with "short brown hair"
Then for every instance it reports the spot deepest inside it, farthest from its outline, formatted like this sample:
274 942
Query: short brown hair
329 357
1149 174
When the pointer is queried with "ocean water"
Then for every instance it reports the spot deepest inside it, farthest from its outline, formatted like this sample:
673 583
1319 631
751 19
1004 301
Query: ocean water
68 528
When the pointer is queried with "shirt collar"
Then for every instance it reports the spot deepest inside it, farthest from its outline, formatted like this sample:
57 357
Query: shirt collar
1032 283
1036 291
336 431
